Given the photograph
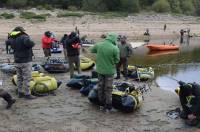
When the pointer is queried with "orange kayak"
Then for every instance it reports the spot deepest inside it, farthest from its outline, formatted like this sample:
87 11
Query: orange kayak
162 53
162 47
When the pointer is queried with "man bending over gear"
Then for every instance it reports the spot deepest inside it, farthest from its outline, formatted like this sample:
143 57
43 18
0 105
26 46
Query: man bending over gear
190 100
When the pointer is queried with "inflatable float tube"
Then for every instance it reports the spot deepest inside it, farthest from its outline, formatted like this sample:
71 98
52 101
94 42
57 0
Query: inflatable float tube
86 63
10 68
41 83
126 102
56 50
145 73
54 65
79 83
86 89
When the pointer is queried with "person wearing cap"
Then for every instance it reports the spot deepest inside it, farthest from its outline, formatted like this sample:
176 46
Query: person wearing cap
73 51
125 52
22 45
47 41
189 95
107 56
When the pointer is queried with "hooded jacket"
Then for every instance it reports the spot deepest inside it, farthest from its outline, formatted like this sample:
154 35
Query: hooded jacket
46 42
22 46
107 55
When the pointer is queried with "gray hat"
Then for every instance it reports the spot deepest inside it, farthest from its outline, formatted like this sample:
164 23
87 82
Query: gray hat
19 29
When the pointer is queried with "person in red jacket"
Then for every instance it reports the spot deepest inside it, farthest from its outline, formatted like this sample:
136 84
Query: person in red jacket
47 41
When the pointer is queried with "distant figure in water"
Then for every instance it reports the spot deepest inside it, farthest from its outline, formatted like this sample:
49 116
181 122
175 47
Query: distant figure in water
147 32
165 27
188 32
182 34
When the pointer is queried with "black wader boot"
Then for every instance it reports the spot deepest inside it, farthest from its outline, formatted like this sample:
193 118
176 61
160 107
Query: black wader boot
8 98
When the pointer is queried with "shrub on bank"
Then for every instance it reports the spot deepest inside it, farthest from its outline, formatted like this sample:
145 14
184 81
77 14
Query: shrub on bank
7 15
70 14
17 3
175 6
161 6
32 15
187 7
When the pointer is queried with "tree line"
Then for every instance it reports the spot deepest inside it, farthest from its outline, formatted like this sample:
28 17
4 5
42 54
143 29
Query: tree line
188 7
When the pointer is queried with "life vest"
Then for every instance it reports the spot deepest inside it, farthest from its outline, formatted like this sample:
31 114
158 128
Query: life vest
76 46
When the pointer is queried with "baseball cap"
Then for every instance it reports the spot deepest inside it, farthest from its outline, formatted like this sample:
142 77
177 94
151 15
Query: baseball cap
19 28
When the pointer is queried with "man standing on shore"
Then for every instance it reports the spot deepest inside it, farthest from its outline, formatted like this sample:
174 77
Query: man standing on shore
106 60
125 52
73 50
47 41
22 45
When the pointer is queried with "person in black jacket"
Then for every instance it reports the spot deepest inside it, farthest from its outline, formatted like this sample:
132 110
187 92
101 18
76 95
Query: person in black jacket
62 41
73 50
190 101
22 46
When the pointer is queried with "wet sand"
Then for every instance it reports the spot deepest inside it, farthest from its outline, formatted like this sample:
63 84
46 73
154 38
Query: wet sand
69 111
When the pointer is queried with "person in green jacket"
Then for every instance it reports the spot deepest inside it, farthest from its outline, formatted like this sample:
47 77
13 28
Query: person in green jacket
107 56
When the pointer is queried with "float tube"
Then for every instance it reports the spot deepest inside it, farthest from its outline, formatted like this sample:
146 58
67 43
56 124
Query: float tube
41 83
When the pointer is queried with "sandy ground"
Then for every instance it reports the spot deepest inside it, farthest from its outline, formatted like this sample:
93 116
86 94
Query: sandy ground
69 111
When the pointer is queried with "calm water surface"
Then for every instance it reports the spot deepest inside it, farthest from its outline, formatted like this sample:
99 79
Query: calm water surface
181 65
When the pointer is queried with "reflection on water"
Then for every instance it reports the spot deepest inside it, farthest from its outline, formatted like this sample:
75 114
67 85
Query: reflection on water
188 73
183 64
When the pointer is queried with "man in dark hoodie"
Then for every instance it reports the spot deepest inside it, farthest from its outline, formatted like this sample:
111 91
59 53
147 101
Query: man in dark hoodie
190 100
22 45
73 50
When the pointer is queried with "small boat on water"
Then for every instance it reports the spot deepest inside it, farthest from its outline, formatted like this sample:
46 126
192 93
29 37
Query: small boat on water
162 53
161 47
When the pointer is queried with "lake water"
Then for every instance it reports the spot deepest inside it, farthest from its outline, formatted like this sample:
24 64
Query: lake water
183 64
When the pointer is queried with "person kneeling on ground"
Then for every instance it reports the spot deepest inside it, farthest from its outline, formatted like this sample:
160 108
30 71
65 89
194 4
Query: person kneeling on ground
7 97
190 100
